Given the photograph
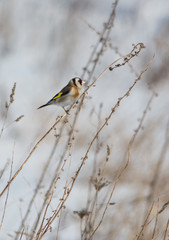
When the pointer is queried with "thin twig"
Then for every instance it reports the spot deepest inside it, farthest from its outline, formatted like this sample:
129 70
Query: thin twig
126 164
46 166
3 169
156 220
7 195
126 58
145 222
7 105
165 233
72 182
156 174
22 233
33 149
52 192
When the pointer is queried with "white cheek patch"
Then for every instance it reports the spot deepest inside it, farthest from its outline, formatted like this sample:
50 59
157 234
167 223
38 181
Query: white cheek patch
78 83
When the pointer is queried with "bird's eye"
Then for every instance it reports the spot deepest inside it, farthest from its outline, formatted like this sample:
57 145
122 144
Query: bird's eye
80 81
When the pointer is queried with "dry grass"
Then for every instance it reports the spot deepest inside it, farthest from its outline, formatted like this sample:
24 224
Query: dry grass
126 183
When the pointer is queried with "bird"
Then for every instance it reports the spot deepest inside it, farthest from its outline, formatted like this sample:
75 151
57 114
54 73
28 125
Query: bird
68 95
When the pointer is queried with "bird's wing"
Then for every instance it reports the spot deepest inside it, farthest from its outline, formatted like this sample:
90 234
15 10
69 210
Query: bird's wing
66 90
62 93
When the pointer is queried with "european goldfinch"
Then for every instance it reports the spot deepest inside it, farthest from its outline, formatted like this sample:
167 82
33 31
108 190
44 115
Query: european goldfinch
68 94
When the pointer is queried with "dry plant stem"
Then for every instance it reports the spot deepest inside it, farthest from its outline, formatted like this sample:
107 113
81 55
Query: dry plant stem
111 19
81 228
132 69
135 52
92 217
16 120
21 234
130 55
103 36
117 51
54 186
126 58
68 173
7 107
156 175
34 148
89 200
72 182
164 207
107 25
47 226
86 156
3 169
57 235
156 220
54 179
95 211
48 200
166 229
50 195
140 126
50 189
105 210
126 164
6 200
39 183
60 118
145 222
3 126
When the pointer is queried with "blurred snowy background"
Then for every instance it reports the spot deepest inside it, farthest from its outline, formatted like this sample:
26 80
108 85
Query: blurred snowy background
43 44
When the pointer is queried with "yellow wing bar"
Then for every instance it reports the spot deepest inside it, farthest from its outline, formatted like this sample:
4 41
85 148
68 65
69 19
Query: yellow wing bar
58 95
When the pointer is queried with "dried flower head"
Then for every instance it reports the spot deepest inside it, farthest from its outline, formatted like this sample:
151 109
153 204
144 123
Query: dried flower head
6 105
99 183
12 93
82 213
19 118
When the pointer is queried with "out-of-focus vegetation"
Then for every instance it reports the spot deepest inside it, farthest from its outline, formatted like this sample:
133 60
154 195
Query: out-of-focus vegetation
100 172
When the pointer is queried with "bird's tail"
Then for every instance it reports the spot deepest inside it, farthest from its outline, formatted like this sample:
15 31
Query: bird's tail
48 103
43 106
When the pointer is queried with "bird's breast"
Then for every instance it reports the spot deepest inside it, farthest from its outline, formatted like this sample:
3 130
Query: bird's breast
75 92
